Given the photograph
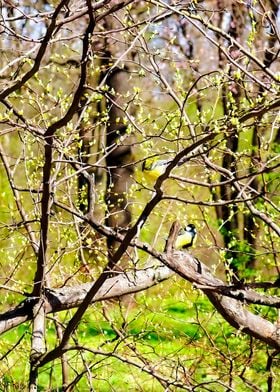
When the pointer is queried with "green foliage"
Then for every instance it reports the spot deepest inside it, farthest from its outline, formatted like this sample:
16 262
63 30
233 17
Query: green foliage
239 255
168 334
170 100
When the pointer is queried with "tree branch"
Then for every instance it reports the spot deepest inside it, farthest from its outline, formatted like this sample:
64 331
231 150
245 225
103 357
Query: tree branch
17 85
47 186
17 198
231 309
71 297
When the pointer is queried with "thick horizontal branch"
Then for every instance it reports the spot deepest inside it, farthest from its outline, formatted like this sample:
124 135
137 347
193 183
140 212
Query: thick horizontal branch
190 268
183 263
71 297
245 296
233 310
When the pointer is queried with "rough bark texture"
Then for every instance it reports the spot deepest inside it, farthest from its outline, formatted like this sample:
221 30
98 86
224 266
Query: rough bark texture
188 267
231 309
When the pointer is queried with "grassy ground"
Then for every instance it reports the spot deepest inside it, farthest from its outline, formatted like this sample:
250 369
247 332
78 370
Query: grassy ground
173 329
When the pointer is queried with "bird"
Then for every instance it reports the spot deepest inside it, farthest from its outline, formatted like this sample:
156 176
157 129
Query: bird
154 167
186 237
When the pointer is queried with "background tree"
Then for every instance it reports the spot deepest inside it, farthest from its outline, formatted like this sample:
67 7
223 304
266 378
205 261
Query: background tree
89 91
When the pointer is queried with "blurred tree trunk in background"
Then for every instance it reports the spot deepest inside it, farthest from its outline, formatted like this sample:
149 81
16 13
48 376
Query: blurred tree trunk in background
119 156
114 134
269 42
111 135
240 230
233 22
119 142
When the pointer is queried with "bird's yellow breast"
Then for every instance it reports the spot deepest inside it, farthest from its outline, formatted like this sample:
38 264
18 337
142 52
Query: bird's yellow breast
155 172
184 240
154 168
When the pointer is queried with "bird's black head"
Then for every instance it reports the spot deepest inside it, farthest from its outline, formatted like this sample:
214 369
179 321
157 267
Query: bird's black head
191 227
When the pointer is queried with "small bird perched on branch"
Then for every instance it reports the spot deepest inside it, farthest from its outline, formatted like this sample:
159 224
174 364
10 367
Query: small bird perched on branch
186 237
154 167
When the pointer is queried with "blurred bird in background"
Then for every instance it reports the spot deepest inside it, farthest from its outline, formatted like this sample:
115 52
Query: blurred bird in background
154 167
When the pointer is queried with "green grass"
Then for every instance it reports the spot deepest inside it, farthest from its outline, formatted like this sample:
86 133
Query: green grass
168 333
